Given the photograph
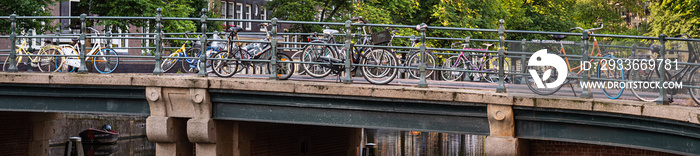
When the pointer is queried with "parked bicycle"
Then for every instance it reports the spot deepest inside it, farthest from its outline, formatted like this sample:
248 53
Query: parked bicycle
44 63
413 59
183 51
605 73
680 51
323 59
103 59
237 58
484 67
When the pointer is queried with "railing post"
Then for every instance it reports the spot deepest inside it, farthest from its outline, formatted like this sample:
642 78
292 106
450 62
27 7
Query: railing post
107 61
467 41
523 64
634 49
81 56
30 50
501 57
13 49
663 100
159 46
273 51
348 52
422 83
586 92
203 45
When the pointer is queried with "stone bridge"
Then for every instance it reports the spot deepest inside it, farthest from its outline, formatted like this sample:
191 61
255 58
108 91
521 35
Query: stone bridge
213 114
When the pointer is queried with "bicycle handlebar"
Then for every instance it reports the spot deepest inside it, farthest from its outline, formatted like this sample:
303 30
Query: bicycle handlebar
589 30
359 18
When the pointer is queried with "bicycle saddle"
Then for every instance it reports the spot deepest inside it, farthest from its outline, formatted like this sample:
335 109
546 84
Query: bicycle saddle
75 40
487 45
558 37
235 29
330 31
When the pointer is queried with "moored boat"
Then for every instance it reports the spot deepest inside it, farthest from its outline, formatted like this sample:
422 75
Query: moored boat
99 136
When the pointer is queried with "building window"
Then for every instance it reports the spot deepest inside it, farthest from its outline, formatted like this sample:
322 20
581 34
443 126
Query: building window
120 42
248 15
230 13
239 15
223 10
263 13
230 10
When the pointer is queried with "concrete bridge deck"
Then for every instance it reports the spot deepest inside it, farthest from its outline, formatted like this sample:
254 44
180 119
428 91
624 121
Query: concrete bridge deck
204 101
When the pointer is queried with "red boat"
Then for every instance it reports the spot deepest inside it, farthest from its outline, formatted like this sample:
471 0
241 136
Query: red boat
99 136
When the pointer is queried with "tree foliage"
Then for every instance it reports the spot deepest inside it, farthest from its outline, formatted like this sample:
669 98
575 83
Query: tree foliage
147 8
675 17
26 8
309 10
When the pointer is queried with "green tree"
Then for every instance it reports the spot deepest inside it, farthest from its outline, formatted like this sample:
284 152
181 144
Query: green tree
309 10
26 8
538 15
147 8
675 17
467 14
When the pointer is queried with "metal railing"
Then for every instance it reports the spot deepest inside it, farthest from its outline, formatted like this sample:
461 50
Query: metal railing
506 50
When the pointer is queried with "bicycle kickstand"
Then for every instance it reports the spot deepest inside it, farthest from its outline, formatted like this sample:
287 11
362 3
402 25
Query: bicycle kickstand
572 89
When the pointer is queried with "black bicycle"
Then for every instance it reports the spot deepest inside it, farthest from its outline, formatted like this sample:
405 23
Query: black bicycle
321 60
687 74
238 58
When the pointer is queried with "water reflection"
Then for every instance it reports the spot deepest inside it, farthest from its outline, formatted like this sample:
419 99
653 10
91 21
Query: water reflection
415 143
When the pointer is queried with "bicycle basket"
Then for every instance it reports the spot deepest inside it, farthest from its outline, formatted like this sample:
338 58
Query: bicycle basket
381 37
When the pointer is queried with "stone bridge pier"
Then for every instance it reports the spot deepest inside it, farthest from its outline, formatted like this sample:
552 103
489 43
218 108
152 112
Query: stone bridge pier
181 118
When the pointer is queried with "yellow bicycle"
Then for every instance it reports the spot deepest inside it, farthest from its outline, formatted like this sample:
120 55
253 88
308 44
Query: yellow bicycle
46 59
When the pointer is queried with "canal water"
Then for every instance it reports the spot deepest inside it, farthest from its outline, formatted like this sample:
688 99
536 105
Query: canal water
415 143
133 141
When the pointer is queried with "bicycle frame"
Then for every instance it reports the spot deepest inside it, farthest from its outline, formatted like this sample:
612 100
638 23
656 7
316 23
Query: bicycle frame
592 53
480 65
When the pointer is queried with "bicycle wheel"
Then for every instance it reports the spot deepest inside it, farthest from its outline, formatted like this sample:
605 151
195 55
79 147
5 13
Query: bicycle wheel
284 69
191 65
50 63
224 68
104 64
169 63
694 80
378 75
493 77
70 64
451 64
414 61
312 53
296 57
643 93
539 71
611 71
